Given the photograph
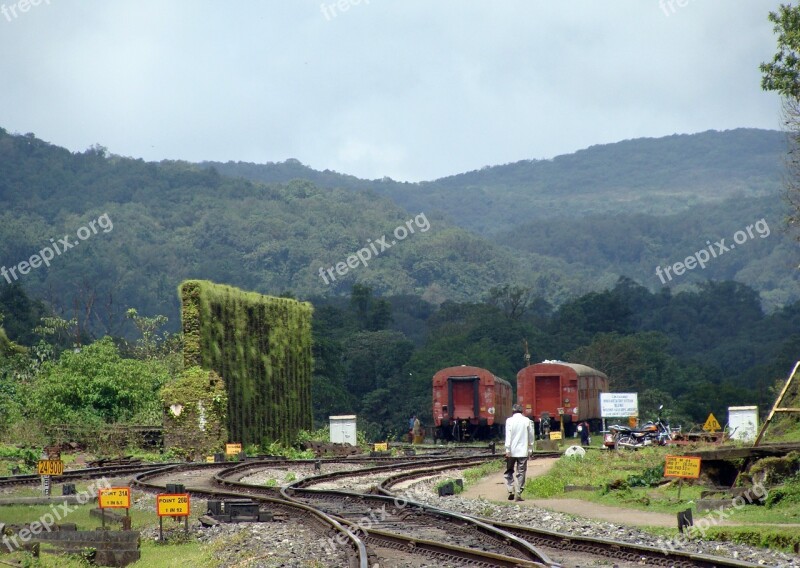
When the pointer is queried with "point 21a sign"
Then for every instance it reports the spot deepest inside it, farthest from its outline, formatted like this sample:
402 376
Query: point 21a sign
619 404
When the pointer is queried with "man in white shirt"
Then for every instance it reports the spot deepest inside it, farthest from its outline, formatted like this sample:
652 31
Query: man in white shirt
520 436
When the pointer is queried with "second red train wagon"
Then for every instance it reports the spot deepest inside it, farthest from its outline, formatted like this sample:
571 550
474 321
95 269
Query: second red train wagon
546 387
470 403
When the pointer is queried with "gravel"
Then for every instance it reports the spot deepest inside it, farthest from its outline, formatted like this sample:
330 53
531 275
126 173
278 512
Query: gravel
284 475
425 491
256 545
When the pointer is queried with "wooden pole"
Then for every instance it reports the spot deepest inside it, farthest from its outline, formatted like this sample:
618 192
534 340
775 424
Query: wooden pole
776 406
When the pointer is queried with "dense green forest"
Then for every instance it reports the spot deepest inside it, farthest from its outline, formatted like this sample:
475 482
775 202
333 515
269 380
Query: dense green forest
171 221
649 175
695 352
561 253
174 221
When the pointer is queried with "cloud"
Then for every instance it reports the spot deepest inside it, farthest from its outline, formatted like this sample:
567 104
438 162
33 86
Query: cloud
413 89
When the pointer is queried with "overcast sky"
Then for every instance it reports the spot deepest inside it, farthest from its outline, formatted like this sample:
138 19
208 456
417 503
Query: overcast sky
409 89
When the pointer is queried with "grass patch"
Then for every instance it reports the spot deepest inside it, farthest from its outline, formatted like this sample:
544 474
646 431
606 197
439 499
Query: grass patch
456 487
475 474
597 468
776 538
154 555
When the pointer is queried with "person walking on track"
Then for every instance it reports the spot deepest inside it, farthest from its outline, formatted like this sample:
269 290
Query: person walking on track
520 436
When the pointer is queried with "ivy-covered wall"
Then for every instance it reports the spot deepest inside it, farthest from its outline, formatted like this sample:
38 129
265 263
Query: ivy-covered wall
195 407
261 347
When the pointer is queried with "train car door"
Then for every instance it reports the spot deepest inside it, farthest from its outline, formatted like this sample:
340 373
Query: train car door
548 394
464 397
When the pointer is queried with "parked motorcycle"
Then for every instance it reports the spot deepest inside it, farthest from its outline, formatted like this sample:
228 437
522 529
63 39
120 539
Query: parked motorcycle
656 433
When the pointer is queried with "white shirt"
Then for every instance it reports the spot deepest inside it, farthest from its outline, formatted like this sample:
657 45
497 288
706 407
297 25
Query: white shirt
519 435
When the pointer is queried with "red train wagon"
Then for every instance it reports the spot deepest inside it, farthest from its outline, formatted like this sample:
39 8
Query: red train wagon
470 403
544 388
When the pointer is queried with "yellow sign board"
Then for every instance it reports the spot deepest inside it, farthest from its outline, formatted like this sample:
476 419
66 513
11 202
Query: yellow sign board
172 505
682 466
114 498
50 467
209 459
380 446
711 425
233 449
555 435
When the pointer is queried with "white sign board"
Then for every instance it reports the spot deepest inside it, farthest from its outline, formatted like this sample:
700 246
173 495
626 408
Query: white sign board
743 422
619 404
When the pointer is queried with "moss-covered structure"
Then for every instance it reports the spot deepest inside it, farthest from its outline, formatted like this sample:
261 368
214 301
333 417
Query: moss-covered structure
195 410
261 347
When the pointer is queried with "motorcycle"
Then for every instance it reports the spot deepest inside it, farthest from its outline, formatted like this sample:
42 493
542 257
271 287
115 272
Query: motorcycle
652 433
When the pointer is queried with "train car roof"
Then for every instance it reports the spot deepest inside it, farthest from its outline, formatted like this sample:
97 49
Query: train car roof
453 371
580 370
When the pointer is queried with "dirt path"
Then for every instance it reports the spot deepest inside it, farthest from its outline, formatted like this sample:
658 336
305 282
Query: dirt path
493 488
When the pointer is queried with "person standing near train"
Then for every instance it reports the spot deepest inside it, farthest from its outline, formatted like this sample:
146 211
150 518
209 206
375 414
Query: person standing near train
520 437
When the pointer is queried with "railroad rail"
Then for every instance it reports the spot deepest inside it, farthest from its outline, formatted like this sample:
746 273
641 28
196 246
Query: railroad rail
405 525
370 527
556 541
76 474
318 520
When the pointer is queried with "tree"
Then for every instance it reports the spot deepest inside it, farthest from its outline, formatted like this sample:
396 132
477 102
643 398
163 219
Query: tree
513 300
782 74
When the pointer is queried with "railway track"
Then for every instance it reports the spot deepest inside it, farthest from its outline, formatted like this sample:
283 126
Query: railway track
78 474
376 525
394 532
392 526
199 481
562 546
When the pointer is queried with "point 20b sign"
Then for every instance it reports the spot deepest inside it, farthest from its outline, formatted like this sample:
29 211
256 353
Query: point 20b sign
619 404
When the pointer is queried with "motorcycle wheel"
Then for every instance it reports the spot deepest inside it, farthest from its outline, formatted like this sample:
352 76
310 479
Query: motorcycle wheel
623 443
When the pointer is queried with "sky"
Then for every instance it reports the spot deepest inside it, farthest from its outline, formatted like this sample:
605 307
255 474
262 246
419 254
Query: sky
409 89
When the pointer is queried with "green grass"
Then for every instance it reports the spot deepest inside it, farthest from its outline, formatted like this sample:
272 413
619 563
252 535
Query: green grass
456 487
154 555
475 474
596 469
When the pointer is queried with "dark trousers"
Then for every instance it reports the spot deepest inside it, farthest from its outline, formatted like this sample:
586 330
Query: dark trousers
520 465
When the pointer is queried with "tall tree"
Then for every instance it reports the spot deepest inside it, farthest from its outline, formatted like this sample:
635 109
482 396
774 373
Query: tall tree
782 74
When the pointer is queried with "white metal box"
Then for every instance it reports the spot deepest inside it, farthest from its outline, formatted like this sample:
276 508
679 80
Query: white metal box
343 429
743 422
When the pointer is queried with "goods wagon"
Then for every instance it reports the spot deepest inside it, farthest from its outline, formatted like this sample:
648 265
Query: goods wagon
554 388
470 403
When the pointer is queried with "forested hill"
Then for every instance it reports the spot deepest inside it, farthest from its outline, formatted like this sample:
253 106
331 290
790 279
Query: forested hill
648 175
612 210
172 221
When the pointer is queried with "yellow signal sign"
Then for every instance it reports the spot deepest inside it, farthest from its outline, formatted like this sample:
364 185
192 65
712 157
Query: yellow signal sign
114 498
711 425
50 467
233 449
555 435
172 505
682 466
380 447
